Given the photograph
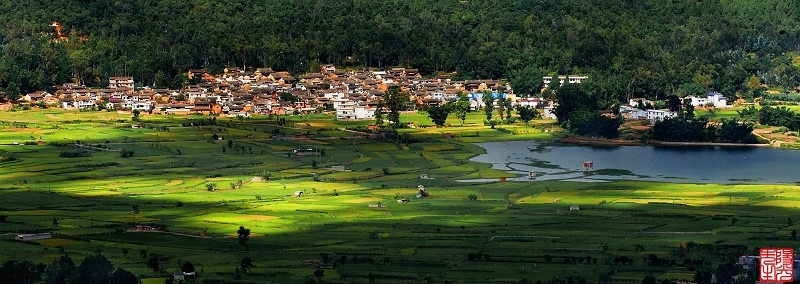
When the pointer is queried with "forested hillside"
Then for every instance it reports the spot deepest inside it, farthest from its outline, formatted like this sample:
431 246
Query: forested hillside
649 48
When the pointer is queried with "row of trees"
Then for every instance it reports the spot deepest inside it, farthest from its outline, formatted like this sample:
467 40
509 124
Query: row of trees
683 128
772 116
93 269
439 113
578 111
649 48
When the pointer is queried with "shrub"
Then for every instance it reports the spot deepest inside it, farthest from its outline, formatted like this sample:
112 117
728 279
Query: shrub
74 154
781 129
8 157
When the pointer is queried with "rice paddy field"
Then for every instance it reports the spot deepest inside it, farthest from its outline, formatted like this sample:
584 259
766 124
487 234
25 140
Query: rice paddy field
63 173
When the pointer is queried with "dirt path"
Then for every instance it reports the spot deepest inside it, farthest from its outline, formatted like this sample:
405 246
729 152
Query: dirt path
760 132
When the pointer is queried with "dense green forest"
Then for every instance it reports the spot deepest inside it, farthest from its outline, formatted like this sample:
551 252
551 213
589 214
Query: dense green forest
630 48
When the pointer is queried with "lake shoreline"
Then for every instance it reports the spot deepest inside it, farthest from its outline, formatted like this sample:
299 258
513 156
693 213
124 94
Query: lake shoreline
617 142
660 163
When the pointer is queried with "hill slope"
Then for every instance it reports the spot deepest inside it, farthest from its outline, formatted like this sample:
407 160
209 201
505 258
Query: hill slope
632 48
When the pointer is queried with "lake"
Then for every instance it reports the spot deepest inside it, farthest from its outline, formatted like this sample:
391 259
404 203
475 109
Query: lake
696 164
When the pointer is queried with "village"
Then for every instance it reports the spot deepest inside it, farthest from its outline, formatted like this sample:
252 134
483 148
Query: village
352 95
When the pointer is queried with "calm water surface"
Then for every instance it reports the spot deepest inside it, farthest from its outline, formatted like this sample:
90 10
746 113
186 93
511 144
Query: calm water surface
674 164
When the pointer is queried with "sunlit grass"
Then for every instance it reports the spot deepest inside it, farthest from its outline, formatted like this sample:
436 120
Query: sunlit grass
93 203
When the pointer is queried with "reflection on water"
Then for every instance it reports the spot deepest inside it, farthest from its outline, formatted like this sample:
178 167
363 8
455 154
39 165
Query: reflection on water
677 164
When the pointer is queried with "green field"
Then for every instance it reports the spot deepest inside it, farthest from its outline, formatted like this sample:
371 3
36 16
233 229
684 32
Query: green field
526 229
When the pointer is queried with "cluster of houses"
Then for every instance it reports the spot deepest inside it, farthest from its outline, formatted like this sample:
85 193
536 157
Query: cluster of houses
353 94
635 112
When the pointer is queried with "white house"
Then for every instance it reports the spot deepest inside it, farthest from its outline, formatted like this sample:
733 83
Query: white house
654 115
142 105
182 276
531 102
572 79
352 111
120 82
695 101
717 99
712 98
334 95
635 102
629 112
31 237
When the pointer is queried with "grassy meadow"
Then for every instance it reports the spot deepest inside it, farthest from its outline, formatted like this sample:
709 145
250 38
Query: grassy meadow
514 230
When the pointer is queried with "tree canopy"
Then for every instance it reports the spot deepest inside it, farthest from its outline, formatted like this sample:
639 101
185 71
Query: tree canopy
647 48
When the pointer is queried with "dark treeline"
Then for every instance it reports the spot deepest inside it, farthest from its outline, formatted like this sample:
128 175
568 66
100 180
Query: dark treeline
93 269
647 48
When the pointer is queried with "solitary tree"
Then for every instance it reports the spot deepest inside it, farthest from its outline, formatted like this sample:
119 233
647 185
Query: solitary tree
122 276
135 208
488 104
438 114
649 279
60 271
187 267
154 263
210 186
247 263
508 105
394 100
378 115
94 269
460 108
526 81
501 107
527 113
244 236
